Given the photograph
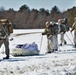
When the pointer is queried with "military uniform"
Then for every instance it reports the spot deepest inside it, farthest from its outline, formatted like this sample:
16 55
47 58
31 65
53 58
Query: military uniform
4 33
74 28
62 31
52 40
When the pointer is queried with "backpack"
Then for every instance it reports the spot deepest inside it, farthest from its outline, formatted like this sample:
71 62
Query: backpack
62 28
54 29
10 29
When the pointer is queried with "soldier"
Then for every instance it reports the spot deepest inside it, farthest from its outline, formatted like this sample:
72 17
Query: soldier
5 30
74 28
52 39
62 30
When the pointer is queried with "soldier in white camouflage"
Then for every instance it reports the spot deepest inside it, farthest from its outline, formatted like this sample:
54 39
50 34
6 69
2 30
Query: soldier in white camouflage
62 30
4 34
74 28
51 31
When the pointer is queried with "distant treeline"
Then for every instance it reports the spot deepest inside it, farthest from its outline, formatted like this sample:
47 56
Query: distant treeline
26 18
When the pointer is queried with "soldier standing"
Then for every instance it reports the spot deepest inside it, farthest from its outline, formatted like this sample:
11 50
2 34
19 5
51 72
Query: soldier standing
5 30
62 30
52 39
74 28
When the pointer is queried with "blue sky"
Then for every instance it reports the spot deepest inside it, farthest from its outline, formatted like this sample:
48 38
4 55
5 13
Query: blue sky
37 4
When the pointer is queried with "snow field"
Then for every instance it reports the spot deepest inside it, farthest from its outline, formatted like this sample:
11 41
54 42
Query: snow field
62 62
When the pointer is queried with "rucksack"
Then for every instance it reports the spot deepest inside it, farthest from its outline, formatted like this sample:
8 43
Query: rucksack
54 29
10 29
62 28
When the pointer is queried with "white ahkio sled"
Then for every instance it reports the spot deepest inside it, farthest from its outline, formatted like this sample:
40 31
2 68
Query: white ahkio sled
25 50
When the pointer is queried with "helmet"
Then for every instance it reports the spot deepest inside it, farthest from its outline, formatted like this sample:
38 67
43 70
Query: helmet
59 20
47 23
51 22
65 19
75 18
4 20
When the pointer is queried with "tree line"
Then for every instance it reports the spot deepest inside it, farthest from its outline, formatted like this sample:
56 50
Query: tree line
26 18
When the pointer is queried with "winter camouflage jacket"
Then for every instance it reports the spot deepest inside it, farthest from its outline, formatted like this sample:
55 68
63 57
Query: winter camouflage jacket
3 31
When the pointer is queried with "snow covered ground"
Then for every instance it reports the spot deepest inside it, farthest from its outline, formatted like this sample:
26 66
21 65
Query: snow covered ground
62 62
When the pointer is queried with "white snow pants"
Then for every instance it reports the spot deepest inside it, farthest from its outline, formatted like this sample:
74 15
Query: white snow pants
62 40
52 43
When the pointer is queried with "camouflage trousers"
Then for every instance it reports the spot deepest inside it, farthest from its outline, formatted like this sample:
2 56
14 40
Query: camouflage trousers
62 40
52 43
6 44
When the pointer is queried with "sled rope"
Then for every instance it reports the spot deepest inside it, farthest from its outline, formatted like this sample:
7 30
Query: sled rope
14 35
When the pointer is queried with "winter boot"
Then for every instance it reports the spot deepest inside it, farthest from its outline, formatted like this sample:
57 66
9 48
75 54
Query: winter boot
60 44
75 45
48 52
7 57
55 49
65 42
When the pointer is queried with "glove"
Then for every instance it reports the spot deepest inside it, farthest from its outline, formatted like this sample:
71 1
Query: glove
11 39
43 33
